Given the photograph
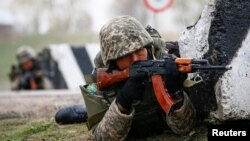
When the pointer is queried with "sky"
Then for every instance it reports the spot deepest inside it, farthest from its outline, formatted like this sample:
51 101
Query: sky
100 14
163 21
99 11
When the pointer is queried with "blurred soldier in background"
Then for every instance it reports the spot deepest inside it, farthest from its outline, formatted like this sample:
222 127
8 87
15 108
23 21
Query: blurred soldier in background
28 74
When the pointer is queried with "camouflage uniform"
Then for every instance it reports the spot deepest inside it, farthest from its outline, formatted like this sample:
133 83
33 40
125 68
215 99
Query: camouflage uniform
115 125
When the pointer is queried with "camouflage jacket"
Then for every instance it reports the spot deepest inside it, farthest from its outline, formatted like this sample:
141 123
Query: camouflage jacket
116 126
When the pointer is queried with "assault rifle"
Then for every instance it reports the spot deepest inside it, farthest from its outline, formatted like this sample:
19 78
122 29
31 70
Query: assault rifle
155 69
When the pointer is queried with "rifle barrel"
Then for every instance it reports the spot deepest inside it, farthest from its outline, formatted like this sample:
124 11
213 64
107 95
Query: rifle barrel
212 67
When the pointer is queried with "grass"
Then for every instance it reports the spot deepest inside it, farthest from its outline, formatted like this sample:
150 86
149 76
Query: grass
9 45
39 129
46 129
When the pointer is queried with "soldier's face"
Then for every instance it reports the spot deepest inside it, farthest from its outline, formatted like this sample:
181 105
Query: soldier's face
128 60
28 65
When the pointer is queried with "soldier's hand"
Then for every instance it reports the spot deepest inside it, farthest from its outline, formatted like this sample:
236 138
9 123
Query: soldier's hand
173 78
132 90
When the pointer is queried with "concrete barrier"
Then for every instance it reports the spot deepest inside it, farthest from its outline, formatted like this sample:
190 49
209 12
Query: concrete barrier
218 37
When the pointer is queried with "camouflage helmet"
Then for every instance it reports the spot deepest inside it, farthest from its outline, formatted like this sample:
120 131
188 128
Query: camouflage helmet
122 36
25 53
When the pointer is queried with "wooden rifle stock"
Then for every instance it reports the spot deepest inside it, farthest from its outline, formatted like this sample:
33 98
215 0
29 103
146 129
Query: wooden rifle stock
105 79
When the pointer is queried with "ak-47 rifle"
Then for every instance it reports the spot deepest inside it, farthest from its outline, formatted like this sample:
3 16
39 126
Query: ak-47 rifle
155 69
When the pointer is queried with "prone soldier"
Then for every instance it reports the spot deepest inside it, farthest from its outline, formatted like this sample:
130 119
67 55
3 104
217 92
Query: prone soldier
129 107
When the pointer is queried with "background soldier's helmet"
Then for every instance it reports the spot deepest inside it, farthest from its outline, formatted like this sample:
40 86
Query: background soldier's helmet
25 53
122 36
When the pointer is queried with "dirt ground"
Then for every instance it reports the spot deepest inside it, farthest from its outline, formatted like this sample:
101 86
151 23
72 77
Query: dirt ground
29 104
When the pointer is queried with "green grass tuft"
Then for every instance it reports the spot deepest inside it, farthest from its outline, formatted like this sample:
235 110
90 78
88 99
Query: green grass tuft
39 129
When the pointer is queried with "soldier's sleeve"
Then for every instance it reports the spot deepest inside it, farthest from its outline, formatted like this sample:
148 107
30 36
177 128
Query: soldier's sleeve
159 50
114 126
163 48
181 121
